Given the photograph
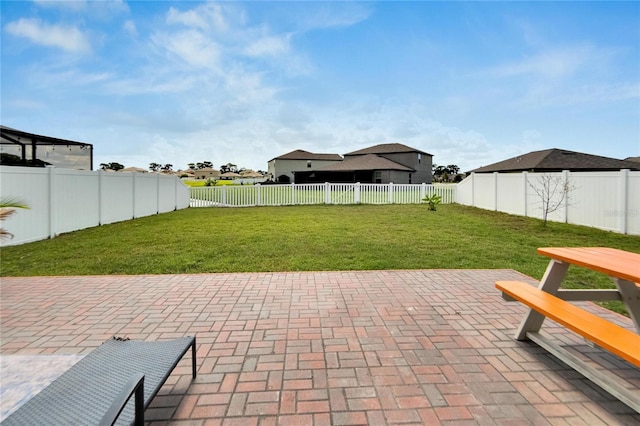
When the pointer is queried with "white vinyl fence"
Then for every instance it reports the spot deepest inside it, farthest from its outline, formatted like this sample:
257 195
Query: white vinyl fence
64 200
317 193
604 200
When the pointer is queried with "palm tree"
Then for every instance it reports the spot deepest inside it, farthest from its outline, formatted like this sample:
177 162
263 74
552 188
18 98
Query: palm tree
7 208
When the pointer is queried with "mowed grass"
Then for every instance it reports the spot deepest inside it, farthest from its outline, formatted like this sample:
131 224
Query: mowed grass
312 238
305 238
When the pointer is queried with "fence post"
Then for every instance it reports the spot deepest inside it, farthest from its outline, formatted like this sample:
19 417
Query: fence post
423 191
356 193
327 193
133 195
624 199
158 195
495 191
565 188
473 189
175 193
100 197
52 201
224 195
390 192
525 180
293 193
258 194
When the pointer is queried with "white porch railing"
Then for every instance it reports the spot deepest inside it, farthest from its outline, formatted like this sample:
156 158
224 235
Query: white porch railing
317 193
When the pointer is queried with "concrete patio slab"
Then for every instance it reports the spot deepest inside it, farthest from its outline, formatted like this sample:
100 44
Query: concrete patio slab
334 348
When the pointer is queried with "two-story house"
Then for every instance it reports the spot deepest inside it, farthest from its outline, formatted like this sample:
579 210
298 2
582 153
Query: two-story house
281 169
384 163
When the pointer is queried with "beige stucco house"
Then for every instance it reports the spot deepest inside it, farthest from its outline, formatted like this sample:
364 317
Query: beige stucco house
281 169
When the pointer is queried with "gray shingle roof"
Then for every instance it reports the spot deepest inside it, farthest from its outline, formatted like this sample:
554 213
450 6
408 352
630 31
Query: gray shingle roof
300 154
365 162
556 160
386 148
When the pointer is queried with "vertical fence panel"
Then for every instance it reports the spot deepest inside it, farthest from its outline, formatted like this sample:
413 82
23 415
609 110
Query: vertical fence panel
118 196
146 194
633 203
65 200
75 200
30 224
510 195
596 199
593 200
483 192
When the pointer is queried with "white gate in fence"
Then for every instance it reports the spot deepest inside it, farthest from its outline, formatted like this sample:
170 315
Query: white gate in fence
604 200
320 193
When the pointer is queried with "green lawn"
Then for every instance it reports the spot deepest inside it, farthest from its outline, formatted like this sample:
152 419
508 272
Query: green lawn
311 238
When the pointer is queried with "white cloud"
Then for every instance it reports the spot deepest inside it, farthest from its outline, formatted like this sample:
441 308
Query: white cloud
554 63
130 27
269 46
206 17
70 5
562 62
102 9
45 78
247 87
332 15
190 46
68 38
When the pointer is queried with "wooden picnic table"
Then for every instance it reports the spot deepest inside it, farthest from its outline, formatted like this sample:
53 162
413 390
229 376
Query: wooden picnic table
621 266
548 300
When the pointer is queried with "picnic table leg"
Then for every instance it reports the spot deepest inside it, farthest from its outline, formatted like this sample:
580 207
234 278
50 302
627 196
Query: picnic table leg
630 293
550 283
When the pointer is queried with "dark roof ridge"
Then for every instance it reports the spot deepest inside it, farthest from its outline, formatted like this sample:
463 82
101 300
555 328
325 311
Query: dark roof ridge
556 159
301 154
386 148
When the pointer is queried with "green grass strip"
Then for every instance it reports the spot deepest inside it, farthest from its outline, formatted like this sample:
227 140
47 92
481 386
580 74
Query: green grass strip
312 238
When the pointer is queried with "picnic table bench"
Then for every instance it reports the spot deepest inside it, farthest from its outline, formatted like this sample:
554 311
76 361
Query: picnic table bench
548 300
99 387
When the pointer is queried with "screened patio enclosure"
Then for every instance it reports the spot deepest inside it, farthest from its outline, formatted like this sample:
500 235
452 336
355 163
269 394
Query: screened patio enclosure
19 148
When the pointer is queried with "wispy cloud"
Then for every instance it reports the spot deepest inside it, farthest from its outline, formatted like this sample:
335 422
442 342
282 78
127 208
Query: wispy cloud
189 46
102 8
552 63
333 15
44 77
130 27
271 45
68 38
206 17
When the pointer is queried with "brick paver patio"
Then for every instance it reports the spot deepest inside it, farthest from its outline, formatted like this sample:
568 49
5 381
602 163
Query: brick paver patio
339 348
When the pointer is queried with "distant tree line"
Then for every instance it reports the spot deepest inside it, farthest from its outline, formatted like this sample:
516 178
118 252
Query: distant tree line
157 167
450 173
111 166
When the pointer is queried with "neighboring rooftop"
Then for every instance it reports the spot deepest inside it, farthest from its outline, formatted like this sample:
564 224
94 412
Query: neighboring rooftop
365 162
386 148
300 154
554 160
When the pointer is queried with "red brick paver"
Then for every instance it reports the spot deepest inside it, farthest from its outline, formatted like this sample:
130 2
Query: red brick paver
341 348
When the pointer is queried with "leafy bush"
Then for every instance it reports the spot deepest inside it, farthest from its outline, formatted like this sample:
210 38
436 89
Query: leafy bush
432 201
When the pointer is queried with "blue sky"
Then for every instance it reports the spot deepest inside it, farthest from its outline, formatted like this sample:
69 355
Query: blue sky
177 82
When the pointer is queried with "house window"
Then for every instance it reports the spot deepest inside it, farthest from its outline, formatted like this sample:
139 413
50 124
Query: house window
410 175
419 158
309 164
377 176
